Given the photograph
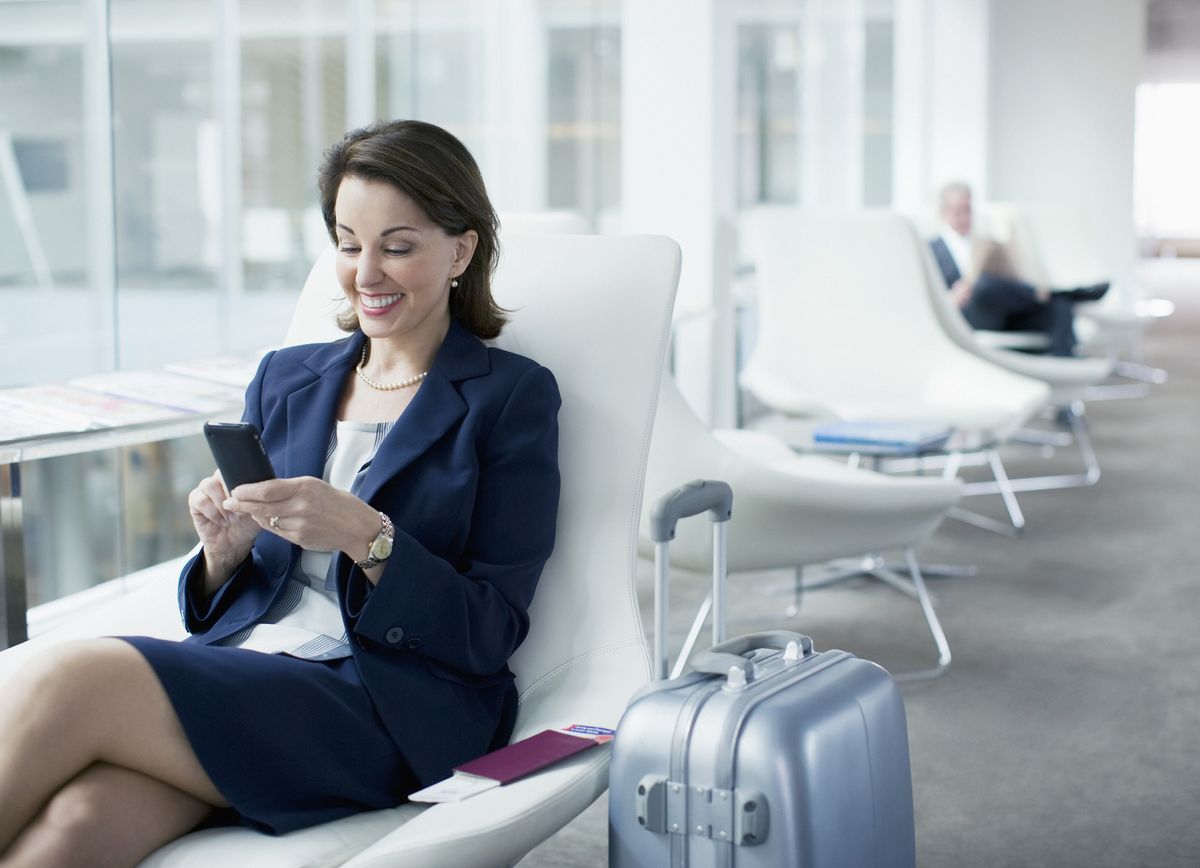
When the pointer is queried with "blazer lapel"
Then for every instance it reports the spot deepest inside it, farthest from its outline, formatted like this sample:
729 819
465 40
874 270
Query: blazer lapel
435 409
312 409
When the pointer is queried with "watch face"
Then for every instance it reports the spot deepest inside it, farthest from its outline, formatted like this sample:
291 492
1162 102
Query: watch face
381 548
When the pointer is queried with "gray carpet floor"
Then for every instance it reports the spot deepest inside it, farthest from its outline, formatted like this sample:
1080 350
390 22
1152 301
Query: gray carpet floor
1067 731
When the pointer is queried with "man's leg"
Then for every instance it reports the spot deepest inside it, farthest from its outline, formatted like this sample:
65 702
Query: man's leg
995 301
1057 319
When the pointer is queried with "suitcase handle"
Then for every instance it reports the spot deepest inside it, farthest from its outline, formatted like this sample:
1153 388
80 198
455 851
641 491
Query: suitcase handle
720 658
692 498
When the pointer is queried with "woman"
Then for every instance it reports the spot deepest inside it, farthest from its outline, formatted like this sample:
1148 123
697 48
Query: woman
350 621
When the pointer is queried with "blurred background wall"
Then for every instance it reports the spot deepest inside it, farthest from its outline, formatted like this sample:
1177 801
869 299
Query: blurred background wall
157 161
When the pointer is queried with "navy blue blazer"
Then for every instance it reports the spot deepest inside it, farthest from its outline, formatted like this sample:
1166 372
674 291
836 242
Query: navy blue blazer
469 476
945 261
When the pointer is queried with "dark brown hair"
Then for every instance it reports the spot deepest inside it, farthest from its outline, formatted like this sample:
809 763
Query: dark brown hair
436 171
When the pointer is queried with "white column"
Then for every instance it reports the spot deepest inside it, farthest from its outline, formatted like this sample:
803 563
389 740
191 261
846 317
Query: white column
912 83
831 104
678 92
515 163
1061 118
942 60
360 64
312 104
227 85
99 197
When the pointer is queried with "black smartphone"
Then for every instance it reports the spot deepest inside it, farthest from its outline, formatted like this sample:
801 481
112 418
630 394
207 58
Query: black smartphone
239 453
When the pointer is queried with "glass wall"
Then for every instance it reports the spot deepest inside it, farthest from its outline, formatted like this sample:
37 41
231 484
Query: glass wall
158 199
769 111
815 102
51 308
292 93
216 114
583 81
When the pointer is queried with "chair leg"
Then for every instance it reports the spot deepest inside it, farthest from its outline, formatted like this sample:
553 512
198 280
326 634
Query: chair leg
838 571
943 571
1090 475
931 620
875 567
1001 485
798 588
1141 372
1080 429
693 634
1007 493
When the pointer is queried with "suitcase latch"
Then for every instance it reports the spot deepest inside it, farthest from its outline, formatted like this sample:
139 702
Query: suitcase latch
735 816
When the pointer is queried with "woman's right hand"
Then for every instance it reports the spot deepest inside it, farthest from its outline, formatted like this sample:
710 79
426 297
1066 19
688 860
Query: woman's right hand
226 536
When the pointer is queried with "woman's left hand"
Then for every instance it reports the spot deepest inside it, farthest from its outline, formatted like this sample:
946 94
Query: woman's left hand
310 513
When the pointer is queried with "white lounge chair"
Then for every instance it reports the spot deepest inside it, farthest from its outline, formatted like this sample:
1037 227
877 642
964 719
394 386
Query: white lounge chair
596 311
793 510
847 331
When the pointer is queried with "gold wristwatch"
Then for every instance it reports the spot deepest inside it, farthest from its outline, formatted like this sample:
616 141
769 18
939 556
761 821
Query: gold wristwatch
381 546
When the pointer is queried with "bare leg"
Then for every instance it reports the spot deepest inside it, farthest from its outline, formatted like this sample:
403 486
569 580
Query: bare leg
107 817
80 703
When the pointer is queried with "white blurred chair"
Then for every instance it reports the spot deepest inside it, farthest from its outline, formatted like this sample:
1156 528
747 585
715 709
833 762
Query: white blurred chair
543 223
792 510
267 236
1069 380
585 653
846 331
313 234
1056 246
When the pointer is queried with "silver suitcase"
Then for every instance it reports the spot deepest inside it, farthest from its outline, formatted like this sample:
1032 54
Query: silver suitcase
764 753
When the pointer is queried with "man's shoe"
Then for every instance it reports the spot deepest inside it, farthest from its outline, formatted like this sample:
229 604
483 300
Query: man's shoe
1087 293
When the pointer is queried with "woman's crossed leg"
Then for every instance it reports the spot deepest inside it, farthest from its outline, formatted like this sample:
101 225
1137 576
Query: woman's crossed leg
94 758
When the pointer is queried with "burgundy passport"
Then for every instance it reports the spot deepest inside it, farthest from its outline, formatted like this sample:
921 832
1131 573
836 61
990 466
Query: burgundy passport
526 756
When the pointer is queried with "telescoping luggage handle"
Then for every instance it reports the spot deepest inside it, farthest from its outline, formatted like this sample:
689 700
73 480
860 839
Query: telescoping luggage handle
693 498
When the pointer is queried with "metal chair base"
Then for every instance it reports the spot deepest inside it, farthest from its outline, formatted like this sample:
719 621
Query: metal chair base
911 585
872 566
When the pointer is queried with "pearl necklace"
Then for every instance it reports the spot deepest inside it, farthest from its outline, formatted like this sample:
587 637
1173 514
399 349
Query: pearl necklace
386 387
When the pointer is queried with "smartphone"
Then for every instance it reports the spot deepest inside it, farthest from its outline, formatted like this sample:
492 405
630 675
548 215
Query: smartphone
239 453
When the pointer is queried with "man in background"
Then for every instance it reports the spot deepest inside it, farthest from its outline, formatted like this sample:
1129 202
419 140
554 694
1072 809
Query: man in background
985 287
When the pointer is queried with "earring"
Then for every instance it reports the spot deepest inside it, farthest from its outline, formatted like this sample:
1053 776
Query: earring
454 283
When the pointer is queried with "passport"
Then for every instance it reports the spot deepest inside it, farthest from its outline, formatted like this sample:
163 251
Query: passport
527 756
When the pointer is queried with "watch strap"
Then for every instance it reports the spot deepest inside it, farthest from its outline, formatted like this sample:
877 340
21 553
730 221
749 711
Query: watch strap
386 534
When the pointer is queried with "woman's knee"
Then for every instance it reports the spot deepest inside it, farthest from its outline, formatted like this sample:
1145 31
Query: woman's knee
105 816
63 674
68 827
76 811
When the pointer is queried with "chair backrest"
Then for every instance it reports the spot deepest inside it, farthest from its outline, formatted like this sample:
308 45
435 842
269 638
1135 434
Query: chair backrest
321 299
1057 246
596 311
319 303
267 235
842 298
543 223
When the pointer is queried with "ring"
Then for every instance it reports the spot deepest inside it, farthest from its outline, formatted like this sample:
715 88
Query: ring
275 522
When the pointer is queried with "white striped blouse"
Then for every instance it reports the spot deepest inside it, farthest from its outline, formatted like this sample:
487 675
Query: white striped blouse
306 620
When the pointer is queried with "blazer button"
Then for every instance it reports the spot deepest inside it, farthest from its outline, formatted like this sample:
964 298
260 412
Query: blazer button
394 635
413 644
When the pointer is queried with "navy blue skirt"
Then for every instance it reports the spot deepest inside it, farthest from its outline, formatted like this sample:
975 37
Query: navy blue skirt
288 742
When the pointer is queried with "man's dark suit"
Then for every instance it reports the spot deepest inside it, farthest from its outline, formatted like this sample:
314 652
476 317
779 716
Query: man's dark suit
469 476
1001 304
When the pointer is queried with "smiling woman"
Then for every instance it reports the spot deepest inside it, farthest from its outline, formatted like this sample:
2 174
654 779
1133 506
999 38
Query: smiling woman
397 268
342 614
439 179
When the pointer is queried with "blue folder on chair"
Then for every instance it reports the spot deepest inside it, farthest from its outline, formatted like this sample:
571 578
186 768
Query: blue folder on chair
898 436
